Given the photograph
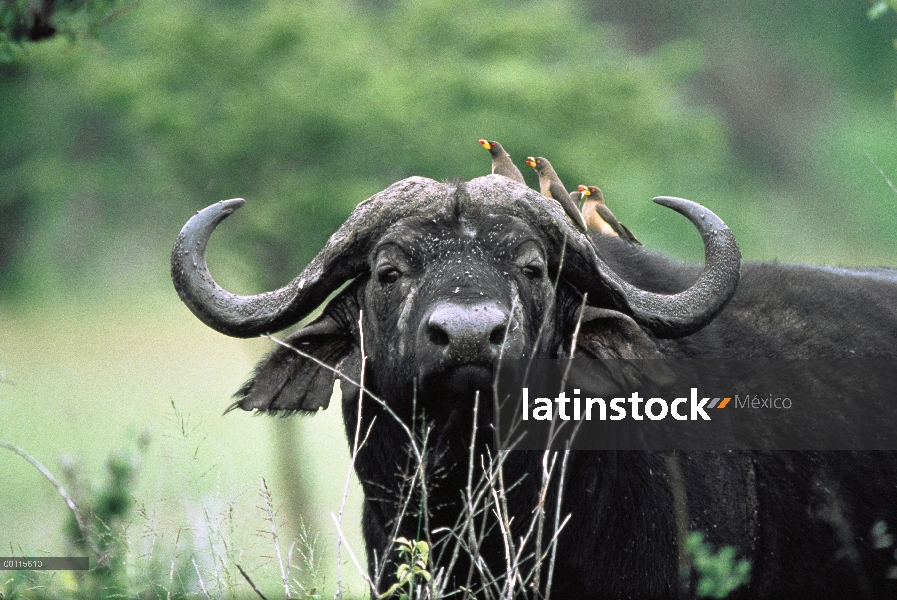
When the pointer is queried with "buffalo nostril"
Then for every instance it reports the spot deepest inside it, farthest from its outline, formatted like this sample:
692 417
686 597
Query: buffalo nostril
438 335
466 332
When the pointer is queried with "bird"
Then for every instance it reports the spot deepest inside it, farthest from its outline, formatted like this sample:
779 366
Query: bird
501 161
551 187
593 220
599 217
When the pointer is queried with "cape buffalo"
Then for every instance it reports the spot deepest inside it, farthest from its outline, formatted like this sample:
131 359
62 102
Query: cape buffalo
444 278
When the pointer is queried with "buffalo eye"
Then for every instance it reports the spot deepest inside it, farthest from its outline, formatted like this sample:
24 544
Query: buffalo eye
388 275
530 259
532 272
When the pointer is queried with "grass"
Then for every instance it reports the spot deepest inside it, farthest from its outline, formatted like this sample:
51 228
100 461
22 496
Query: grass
135 390
84 381
205 523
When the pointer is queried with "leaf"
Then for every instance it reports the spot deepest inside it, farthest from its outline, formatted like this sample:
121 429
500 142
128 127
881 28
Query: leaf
877 10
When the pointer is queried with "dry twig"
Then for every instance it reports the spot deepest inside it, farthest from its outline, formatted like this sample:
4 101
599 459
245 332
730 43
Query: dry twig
251 582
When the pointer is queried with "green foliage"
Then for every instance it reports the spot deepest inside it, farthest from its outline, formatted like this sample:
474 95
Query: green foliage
719 573
412 571
884 540
306 549
877 10
307 109
880 537
27 21
880 8
111 140
95 528
176 570
106 510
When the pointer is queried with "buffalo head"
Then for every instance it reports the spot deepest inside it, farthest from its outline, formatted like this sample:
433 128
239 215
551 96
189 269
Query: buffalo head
448 277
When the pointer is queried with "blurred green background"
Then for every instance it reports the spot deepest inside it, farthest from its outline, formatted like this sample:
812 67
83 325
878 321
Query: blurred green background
779 116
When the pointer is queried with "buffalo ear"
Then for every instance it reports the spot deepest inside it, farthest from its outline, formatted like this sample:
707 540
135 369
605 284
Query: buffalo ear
610 334
287 381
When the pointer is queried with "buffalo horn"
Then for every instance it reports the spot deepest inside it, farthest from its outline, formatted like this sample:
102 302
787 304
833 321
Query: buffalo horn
677 315
343 258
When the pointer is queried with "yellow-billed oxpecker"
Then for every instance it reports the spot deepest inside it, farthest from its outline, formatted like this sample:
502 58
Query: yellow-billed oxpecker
551 187
599 217
501 161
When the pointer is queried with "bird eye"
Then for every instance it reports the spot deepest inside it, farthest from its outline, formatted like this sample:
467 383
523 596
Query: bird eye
492 144
388 275
532 272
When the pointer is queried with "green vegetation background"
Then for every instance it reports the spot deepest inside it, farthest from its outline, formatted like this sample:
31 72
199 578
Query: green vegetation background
775 115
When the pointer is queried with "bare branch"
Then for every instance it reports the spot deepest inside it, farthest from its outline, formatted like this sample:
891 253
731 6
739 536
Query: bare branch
882 173
202 584
557 525
357 384
467 494
361 571
483 498
69 501
251 583
339 571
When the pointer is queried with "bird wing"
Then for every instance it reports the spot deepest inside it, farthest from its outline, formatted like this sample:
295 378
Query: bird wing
503 165
630 237
620 229
560 194
609 218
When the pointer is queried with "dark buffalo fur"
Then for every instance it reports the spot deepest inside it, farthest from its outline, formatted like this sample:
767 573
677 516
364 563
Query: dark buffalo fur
804 519
779 310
